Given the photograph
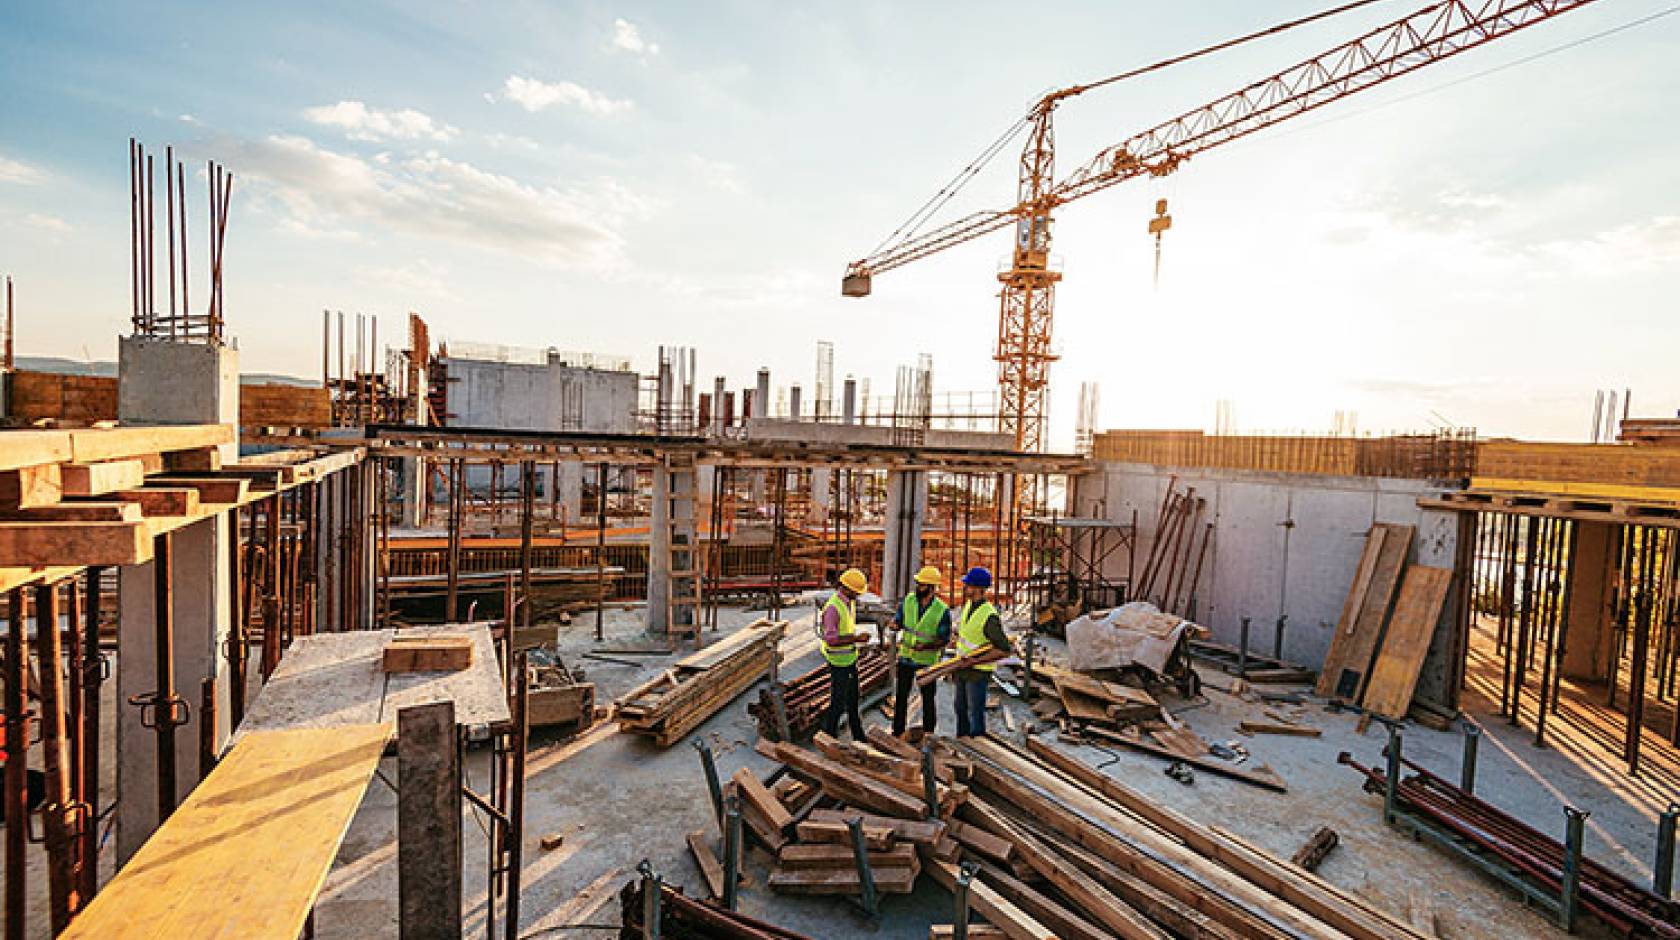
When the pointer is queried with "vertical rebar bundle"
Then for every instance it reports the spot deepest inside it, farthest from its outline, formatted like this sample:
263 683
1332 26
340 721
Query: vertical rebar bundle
178 322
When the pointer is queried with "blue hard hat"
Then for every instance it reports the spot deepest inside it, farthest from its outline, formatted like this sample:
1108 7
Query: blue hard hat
978 577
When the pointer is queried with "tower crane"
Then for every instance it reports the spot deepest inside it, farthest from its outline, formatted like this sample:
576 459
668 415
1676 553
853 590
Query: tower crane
1023 353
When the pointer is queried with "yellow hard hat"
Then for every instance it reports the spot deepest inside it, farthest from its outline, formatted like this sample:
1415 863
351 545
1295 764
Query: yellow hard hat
854 580
928 575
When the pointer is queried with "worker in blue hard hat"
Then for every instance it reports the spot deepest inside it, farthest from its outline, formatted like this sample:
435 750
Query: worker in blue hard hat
923 622
978 627
840 641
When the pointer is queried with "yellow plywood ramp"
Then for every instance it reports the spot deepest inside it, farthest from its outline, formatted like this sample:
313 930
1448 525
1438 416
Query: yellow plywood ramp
247 853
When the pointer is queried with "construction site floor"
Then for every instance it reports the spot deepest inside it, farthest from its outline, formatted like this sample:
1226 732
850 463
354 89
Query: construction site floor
617 799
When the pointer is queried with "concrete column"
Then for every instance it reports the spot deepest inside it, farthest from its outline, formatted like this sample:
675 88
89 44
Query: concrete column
659 552
161 382
718 393
821 479
570 484
1587 649
849 402
907 494
761 395
794 402
413 480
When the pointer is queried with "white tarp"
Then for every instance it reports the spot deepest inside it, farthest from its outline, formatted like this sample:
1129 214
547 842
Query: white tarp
1135 634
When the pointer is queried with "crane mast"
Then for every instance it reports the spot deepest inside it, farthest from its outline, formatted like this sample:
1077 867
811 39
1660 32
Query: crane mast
1027 299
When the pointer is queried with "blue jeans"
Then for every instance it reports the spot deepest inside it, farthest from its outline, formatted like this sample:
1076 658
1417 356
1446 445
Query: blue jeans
971 706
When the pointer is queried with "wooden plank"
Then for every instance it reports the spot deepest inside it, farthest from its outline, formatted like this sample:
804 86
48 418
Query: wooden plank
875 838
1268 727
1067 924
263 828
975 932
438 652
162 501
710 868
1097 903
97 479
31 487
831 855
996 848
429 821
210 489
918 831
1355 601
840 881
753 791
1410 632
1081 706
847 785
1298 888
76 512
1346 678
96 444
1004 915
33 448
32 544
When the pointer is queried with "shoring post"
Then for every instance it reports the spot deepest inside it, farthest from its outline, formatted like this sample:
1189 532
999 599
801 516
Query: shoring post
1662 873
652 886
959 917
1391 781
1574 833
866 878
930 781
732 853
712 784
1467 766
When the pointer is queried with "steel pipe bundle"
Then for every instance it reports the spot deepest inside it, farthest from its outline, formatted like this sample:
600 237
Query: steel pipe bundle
806 698
1624 906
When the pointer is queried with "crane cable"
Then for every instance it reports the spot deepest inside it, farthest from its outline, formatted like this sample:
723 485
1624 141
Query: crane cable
908 229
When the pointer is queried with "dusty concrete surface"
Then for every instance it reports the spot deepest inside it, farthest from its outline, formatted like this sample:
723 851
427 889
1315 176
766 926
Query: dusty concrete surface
617 799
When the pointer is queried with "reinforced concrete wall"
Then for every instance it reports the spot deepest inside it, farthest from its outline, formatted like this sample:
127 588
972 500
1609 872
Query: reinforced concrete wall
1283 545
545 397
784 429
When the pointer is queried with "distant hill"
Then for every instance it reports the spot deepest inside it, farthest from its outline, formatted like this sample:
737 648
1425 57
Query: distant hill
108 368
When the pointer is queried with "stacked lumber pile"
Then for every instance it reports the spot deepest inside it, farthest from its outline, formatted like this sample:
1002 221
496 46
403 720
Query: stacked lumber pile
803 819
1387 624
806 698
675 702
1087 858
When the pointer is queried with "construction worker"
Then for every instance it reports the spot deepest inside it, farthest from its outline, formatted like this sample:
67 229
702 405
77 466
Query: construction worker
840 640
924 629
978 627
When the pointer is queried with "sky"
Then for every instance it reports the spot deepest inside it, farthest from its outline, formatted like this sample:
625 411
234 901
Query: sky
1482 243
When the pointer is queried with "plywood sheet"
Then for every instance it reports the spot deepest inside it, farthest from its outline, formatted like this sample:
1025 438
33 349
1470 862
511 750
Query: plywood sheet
1346 675
246 854
1395 675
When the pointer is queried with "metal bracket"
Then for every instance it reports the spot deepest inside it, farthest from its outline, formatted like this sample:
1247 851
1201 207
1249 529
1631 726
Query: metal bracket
158 711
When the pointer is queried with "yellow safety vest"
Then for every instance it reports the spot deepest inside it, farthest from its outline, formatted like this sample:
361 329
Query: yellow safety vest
971 630
920 627
840 655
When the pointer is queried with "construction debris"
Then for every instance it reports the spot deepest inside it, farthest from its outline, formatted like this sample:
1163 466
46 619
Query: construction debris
675 702
1312 853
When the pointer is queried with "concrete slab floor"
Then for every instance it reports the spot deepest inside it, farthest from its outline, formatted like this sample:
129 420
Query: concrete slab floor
620 799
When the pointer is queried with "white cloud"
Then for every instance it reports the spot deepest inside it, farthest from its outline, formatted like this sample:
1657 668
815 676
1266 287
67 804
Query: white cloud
628 38
360 122
47 223
421 280
16 171
534 95
323 193
718 174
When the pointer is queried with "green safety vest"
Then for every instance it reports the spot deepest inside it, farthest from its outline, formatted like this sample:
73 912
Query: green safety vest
840 655
919 628
971 630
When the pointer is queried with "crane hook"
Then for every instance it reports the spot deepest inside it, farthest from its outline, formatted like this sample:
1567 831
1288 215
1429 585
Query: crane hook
1159 224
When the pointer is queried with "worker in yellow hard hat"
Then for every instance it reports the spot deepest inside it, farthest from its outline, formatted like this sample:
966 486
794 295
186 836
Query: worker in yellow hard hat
840 641
923 622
